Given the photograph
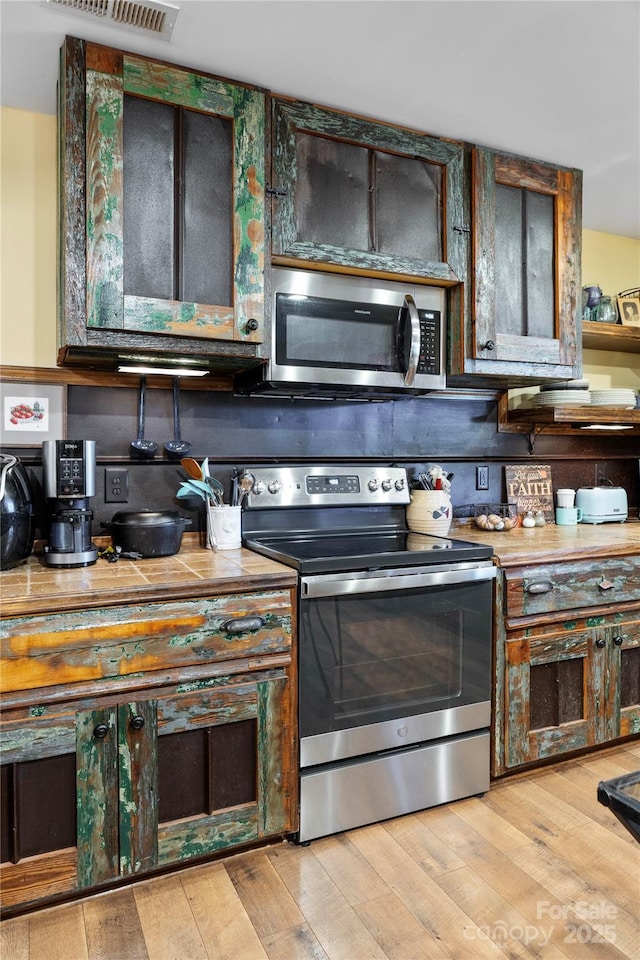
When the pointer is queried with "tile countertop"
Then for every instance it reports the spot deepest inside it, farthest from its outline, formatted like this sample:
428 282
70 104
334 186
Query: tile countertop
32 588
553 544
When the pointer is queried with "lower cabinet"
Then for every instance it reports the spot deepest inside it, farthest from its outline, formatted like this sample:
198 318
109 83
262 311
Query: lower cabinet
96 790
120 781
571 688
567 658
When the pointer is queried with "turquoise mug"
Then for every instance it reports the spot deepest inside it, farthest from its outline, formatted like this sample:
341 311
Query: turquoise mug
568 516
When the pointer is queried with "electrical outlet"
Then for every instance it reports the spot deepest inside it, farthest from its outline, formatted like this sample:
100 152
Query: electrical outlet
116 485
482 478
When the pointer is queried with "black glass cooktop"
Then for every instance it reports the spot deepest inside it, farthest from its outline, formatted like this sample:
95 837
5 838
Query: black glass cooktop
319 553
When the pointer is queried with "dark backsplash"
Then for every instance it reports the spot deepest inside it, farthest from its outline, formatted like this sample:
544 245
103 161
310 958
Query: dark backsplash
458 433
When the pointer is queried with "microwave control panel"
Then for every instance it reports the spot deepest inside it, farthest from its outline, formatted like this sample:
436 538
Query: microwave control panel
429 360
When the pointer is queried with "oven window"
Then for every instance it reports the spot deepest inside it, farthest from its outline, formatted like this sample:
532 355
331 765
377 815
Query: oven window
368 658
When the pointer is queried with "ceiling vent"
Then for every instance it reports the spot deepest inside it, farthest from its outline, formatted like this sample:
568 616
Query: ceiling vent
142 16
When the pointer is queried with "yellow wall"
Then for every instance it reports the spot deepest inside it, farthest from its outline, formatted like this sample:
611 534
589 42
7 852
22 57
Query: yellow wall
28 250
612 263
28 245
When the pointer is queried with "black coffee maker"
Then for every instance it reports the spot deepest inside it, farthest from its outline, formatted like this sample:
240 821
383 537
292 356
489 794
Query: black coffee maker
69 479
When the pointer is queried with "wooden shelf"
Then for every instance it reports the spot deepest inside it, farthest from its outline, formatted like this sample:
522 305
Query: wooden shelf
102 378
579 417
610 336
567 420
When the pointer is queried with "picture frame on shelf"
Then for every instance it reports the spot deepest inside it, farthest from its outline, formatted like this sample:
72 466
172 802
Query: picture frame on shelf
629 310
32 412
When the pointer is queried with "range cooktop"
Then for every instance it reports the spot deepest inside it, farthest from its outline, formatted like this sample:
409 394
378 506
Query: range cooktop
356 551
323 518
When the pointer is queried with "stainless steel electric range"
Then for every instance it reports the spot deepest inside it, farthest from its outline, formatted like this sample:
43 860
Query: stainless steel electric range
394 644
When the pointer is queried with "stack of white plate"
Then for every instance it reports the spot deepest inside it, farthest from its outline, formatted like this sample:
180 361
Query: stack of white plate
613 398
562 398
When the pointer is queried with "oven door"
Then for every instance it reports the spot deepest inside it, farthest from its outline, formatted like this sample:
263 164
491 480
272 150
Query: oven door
392 658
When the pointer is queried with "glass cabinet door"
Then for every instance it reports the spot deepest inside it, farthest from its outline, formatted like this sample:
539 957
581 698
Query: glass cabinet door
367 195
162 169
526 252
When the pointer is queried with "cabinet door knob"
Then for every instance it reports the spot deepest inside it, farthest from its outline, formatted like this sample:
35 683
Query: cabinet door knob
606 585
242 624
101 731
252 324
136 723
489 345
619 640
543 587
600 643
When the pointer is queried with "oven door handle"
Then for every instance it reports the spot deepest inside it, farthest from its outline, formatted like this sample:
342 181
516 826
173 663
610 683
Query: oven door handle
337 585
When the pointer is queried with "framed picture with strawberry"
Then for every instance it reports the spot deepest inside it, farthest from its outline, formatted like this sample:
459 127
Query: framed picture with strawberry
31 413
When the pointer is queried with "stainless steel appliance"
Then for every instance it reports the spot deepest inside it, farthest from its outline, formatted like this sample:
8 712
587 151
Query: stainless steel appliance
394 652
69 480
339 336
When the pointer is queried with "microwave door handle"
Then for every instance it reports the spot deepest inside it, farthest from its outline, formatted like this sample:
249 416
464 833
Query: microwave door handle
414 350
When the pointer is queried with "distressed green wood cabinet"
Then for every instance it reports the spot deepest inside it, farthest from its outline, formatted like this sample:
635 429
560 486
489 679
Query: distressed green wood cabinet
571 689
366 196
522 315
162 212
177 743
568 659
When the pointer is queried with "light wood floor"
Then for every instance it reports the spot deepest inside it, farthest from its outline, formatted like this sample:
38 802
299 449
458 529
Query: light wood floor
535 868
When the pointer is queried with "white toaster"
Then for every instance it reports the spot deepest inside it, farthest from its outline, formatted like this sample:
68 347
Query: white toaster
602 504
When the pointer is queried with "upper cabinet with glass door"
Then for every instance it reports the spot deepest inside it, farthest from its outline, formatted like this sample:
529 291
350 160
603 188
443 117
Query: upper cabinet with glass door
364 196
162 173
522 324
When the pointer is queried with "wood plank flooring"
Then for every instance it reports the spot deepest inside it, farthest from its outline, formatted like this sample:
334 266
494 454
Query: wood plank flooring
536 868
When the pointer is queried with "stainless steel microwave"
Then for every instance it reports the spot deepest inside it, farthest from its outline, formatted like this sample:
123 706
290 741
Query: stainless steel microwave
355 337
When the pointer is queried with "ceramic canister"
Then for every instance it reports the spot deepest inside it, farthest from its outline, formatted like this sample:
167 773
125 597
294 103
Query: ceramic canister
430 512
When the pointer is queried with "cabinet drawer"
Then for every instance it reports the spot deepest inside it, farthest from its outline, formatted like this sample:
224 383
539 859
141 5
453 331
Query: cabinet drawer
134 638
580 585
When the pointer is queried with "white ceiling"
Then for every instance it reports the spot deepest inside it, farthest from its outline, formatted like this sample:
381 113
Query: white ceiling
555 80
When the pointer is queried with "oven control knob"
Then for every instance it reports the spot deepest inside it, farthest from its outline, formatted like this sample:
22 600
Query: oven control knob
373 484
258 487
386 484
400 484
274 486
